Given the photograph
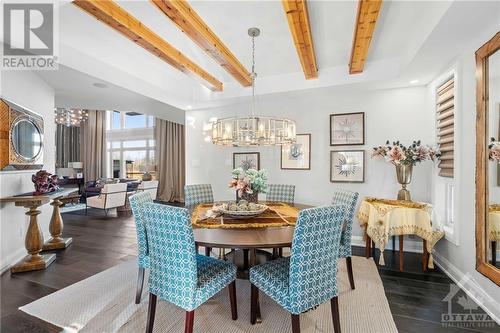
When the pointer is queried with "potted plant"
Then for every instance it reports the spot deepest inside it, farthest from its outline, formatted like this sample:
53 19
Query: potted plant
248 184
405 158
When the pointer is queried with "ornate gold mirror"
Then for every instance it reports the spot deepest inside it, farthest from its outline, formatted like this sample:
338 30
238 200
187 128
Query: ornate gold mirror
488 159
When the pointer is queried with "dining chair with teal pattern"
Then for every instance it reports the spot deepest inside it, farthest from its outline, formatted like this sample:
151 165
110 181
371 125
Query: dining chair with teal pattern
280 193
308 277
350 200
136 202
177 274
198 194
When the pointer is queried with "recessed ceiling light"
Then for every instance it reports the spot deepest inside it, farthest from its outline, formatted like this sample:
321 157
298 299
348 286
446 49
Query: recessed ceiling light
100 85
414 81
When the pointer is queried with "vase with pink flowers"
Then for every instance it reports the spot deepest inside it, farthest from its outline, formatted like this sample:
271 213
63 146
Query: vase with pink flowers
248 184
405 158
494 150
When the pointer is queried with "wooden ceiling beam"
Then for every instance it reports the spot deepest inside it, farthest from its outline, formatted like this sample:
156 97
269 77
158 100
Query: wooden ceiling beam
119 19
185 17
298 21
366 20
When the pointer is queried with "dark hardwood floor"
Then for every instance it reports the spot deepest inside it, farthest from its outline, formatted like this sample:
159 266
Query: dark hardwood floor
100 242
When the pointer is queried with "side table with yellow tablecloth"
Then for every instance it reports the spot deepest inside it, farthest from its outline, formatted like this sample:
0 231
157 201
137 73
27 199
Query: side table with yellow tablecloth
494 230
382 218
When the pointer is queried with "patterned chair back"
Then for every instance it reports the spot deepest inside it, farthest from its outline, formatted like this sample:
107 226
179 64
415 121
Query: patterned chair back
136 203
198 194
172 254
314 256
280 193
350 200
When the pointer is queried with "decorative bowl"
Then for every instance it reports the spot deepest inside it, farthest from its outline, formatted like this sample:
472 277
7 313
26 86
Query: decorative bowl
241 210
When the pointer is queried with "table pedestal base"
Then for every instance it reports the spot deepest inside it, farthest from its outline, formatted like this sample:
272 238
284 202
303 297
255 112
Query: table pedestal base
33 263
57 244
241 259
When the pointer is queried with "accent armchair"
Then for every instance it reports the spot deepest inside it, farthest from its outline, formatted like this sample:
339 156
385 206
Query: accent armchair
150 186
309 276
136 203
177 274
111 196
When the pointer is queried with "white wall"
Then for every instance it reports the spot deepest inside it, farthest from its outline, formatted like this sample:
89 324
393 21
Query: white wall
458 257
28 90
389 115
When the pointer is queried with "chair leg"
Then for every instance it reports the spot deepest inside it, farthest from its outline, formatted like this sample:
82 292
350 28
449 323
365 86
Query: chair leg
232 298
253 304
296 323
348 261
335 314
151 313
188 328
140 283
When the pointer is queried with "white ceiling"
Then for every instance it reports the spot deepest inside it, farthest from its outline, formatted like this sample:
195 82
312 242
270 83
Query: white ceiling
409 40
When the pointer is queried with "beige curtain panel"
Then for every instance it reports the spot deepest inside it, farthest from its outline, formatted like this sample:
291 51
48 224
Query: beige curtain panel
170 160
67 145
93 138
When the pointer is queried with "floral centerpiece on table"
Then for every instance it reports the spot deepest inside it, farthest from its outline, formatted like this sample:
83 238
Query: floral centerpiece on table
249 183
494 150
405 158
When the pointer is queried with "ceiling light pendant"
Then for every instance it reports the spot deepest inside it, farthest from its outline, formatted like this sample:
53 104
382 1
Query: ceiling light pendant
70 117
253 130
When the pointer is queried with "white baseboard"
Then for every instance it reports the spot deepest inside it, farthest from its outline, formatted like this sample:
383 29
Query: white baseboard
11 259
469 286
409 245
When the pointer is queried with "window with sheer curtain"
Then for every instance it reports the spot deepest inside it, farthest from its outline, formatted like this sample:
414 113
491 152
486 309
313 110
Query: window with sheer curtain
445 108
130 144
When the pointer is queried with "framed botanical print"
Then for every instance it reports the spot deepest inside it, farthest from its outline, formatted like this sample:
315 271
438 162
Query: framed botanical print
347 166
297 156
347 129
246 160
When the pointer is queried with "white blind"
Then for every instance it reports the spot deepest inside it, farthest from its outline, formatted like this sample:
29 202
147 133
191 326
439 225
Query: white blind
445 108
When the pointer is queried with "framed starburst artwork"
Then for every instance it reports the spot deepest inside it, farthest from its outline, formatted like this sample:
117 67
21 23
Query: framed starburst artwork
347 166
347 129
246 160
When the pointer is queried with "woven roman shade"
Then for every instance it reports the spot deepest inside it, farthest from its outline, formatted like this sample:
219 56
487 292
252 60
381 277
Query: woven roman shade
445 107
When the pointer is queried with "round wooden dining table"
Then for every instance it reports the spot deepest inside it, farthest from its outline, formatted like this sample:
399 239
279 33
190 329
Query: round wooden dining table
247 241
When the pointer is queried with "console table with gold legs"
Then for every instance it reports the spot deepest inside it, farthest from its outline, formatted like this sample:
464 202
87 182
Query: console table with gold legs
34 241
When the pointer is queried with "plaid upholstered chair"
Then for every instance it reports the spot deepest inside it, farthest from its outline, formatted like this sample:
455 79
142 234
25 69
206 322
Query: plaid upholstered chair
198 194
309 276
177 274
280 193
136 203
349 199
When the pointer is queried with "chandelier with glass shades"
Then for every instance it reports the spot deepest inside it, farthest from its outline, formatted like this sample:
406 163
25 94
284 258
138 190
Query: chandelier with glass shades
70 117
253 130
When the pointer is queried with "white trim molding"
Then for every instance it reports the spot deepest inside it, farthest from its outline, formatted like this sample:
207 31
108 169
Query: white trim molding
469 286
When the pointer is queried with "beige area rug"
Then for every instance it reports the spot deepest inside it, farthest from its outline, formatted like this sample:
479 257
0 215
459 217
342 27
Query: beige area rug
105 303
